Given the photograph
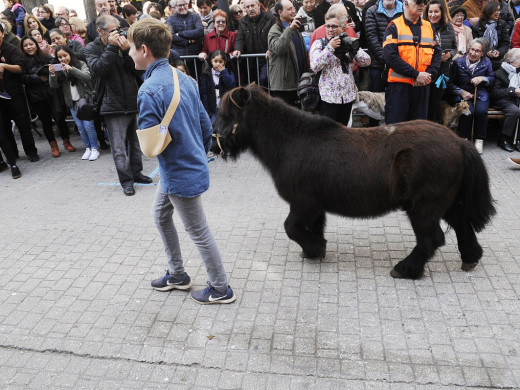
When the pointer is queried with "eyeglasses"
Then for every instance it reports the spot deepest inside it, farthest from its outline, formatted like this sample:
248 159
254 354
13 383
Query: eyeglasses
420 2
220 22
331 26
64 24
238 12
181 5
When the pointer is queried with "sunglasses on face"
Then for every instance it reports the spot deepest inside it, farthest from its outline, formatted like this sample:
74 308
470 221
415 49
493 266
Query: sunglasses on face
238 12
220 22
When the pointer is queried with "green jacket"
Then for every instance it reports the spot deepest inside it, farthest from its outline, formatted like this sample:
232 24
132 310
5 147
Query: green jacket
284 74
83 83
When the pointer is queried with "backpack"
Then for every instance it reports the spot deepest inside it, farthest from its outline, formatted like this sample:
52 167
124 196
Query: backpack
309 92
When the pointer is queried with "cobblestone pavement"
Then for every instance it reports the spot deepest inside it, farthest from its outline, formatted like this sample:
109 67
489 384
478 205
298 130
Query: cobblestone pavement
77 310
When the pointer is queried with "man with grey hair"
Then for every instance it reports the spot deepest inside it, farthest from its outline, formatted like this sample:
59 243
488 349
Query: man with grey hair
111 66
251 38
102 8
61 12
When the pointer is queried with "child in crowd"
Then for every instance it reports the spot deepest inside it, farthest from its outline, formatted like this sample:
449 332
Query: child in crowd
73 76
215 81
19 15
42 43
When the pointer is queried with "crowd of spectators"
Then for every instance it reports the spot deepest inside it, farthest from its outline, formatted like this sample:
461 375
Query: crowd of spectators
51 59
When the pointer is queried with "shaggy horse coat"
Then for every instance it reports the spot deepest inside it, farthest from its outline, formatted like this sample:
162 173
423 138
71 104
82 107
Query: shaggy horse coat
320 166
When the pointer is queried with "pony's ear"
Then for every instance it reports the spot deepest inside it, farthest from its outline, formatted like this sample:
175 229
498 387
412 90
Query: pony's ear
240 96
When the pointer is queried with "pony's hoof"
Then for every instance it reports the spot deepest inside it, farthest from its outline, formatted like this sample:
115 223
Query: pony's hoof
468 266
396 275
304 255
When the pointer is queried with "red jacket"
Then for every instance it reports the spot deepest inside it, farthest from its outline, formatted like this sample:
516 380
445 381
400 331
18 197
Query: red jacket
214 42
515 39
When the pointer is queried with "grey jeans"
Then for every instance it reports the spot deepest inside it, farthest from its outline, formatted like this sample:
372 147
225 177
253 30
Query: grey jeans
192 215
125 146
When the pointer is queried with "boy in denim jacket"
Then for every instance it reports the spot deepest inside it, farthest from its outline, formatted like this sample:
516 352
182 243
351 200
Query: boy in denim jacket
183 164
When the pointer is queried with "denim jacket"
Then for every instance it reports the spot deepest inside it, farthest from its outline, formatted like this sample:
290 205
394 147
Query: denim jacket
183 164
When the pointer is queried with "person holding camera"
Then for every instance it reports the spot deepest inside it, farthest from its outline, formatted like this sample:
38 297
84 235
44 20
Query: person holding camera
412 56
334 56
114 69
288 57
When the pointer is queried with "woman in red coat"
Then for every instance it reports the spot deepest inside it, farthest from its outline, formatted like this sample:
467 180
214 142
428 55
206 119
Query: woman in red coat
220 38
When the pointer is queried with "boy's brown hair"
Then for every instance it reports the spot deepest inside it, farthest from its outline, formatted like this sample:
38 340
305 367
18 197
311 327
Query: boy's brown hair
153 34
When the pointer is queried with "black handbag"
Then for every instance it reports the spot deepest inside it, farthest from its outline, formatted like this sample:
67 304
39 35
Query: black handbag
85 108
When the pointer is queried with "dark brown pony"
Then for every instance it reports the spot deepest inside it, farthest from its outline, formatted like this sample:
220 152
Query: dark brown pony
320 166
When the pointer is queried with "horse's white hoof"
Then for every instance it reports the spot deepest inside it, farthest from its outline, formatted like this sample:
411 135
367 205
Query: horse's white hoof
468 266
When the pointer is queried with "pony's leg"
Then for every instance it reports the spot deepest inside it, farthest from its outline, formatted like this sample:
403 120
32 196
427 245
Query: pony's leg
429 236
307 229
469 248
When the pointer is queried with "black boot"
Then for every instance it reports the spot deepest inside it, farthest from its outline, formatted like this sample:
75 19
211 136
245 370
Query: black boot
504 144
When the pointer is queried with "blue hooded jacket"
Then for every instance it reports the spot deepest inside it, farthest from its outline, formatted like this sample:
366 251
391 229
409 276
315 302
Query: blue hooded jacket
183 164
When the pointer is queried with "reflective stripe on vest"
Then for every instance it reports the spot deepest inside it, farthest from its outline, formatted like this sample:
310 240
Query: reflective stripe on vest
419 57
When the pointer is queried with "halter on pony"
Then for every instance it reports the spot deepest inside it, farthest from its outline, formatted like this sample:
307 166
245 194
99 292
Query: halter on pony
219 136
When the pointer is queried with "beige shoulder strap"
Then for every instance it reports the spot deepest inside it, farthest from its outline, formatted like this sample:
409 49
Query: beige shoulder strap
175 100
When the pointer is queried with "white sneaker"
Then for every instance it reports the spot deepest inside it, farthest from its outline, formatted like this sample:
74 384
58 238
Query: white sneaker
94 155
86 155
479 145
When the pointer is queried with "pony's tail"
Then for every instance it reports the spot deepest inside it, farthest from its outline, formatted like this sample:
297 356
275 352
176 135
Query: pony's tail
473 203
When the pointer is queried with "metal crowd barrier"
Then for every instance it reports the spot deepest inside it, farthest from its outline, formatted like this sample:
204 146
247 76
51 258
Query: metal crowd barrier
195 60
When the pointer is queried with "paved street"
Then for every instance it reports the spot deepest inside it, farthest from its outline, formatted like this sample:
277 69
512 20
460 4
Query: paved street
77 310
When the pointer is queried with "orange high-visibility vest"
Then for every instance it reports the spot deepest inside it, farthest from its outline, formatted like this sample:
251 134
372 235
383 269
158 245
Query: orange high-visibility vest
419 57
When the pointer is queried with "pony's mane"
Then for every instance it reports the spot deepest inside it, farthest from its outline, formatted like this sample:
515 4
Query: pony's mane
260 98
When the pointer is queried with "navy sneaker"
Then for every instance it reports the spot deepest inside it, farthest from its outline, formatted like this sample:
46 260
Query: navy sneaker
170 282
209 295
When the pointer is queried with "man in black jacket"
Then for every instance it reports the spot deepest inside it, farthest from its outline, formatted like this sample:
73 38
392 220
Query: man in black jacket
102 8
111 65
252 37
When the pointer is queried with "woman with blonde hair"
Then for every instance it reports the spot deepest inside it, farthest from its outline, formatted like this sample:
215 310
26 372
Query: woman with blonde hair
31 22
78 27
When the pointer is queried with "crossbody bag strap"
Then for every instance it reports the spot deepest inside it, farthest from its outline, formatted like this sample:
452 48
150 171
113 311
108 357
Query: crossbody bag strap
227 41
175 100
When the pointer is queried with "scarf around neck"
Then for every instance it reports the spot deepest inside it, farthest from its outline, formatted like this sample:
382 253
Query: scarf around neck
461 38
491 34
514 77
470 65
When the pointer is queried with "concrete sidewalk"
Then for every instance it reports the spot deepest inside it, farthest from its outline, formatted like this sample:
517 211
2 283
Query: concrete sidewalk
77 309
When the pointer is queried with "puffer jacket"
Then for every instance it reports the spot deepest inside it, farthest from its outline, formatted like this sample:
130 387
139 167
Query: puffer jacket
446 39
36 89
249 40
376 21
118 69
284 73
186 28
83 83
